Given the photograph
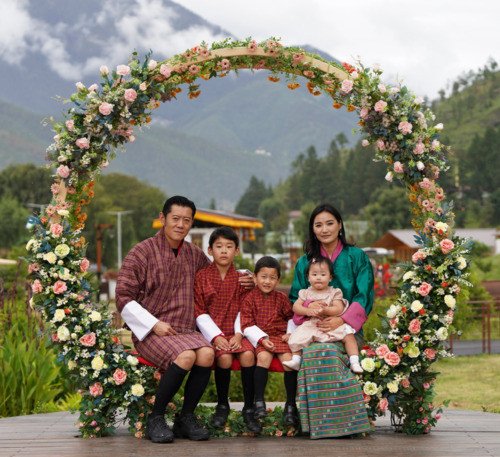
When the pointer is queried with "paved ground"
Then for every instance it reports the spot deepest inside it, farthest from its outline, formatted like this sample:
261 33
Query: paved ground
472 347
459 433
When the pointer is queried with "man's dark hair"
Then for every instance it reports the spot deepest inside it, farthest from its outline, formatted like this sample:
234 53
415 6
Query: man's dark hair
268 262
180 201
223 232
319 260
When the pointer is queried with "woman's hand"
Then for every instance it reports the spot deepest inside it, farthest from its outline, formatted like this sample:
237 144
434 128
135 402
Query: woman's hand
163 329
330 323
221 343
235 342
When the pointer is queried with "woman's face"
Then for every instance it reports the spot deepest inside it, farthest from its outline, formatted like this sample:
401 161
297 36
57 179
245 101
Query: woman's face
326 228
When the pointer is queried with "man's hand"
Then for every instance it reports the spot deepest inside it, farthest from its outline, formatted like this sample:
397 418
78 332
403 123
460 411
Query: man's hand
221 343
235 342
163 329
246 279
268 344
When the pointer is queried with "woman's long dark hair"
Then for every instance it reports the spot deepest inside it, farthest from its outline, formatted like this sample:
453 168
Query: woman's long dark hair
312 247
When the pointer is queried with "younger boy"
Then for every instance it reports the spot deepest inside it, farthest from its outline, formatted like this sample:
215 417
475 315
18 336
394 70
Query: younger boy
218 297
265 319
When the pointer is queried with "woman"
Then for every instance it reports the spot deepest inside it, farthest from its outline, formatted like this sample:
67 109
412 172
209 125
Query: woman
330 398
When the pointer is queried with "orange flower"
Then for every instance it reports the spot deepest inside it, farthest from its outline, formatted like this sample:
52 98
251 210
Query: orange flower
351 108
132 121
337 105
293 86
194 94
361 123
148 119
273 79
205 77
310 87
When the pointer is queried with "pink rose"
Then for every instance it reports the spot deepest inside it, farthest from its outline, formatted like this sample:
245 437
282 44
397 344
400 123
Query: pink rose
414 326
383 404
382 350
426 385
130 95
70 124
419 148
122 70
417 256
380 144
105 108
63 171
425 183
194 69
84 265
380 106
424 289
88 339
363 113
347 85
398 167
225 64
405 383
152 64
405 127
165 70
56 229
430 354
83 143
96 389
119 376
143 86
36 287
33 267
392 359
252 46
55 189
446 245
59 287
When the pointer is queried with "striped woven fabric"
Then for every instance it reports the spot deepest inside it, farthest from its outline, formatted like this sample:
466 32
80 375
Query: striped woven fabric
330 399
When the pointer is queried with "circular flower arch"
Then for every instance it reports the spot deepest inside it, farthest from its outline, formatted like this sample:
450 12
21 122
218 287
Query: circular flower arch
398 375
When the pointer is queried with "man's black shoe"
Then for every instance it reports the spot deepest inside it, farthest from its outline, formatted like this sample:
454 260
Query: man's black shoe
252 424
260 410
220 416
158 431
291 415
187 426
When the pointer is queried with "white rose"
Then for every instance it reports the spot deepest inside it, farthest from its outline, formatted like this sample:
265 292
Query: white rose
439 126
63 333
95 316
389 176
137 390
408 275
132 360
393 387
104 70
97 363
392 311
50 257
72 365
450 301
368 365
441 227
420 165
442 334
152 64
65 275
365 143
80 86
462 263
58 315
382 88
370 388
62 250
30 244
416 306
63 212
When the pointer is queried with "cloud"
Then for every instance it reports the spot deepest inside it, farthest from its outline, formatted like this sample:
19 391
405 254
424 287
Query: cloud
15 26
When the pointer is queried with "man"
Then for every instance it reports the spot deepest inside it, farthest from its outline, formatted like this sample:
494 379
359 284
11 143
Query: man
154 294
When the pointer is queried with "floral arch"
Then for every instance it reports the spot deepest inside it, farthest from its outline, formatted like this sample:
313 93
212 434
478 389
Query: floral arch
397 365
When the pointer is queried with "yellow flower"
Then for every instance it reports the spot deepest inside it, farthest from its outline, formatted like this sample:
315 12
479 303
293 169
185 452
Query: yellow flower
416 306
413 351
95 316
63 333
368 364
97 363
393 387
370 388
450 301
72 365
62 250
137 390
58 315
50 257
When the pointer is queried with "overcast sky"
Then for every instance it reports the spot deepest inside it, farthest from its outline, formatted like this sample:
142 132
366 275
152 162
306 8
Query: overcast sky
425 42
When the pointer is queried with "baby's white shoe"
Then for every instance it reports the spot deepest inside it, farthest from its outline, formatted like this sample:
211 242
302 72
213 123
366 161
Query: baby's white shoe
294 364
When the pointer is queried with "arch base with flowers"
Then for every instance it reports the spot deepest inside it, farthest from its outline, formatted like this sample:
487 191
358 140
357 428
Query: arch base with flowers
398 375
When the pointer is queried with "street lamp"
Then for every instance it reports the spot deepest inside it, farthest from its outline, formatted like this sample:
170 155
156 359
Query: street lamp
119 215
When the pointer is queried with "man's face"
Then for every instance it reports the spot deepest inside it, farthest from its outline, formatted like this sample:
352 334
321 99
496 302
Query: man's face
177 224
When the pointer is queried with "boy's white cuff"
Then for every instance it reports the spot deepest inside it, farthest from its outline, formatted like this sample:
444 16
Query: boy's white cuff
291 326
237 324
138 319
254 334
207 327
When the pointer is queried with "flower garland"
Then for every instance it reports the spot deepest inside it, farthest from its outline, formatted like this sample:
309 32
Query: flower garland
103 118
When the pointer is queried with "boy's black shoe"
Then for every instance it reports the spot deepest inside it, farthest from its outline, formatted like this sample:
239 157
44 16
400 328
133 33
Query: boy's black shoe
291 415
252 424
220 416
260 410
158 431
187 426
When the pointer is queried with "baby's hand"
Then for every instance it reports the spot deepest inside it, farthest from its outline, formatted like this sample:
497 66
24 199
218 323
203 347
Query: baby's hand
316 305
285 337
313 312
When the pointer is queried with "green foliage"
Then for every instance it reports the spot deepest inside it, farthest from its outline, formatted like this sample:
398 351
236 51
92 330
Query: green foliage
27 183
13 216
29 373
251 199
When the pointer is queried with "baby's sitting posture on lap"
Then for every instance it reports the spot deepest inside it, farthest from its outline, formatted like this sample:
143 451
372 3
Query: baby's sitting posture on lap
319 301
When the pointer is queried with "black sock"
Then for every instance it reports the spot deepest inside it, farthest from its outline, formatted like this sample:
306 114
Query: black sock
260 381
247 382
170 383
194 388
291 386
222 379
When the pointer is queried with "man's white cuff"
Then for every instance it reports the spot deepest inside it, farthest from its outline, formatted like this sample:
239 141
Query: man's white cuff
254 334
138 319
208 327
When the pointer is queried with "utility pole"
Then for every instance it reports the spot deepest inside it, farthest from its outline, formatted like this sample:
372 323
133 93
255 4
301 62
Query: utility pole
99 232
119 215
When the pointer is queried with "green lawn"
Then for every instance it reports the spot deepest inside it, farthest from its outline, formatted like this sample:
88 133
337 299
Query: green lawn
470 382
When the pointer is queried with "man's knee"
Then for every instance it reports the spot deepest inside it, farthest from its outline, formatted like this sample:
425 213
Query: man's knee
205 357
264 359
225 361
186 359
247 359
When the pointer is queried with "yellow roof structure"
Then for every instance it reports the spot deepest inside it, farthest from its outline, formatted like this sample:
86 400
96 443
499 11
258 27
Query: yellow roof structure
209 216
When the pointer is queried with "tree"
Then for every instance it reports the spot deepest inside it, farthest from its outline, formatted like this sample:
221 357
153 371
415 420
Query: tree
249 202
12 229
26 183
